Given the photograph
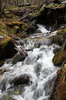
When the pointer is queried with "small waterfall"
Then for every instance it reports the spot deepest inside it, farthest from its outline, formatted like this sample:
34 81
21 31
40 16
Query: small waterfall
38 66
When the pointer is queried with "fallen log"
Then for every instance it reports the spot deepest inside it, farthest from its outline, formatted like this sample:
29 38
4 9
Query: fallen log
20 49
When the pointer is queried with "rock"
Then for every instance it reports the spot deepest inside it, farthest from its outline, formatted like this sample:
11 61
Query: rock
56 50
7 49
20 80
18 57
59 58
60 86
57 39
6 98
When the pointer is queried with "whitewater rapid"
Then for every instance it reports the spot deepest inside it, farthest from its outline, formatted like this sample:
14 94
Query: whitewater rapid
38 65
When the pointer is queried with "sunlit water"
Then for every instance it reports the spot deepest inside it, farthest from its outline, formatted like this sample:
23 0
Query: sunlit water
38 65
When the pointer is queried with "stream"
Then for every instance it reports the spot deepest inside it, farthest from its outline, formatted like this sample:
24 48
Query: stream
37 66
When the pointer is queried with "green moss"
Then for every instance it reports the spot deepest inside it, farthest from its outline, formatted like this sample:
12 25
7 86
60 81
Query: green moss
59 58
53 5
17 28
65 67
62 5
24 26
33 6
12 31
62 32
4 40
11 8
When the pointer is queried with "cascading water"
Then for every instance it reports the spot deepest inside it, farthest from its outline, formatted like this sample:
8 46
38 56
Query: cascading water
38 66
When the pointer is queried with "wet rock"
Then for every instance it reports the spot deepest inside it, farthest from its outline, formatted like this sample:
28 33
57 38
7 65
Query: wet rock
59 58
56 50
6 98
18 57
58 39
20 80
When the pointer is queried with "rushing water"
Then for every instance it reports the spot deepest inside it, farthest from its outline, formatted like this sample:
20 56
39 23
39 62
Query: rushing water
38 65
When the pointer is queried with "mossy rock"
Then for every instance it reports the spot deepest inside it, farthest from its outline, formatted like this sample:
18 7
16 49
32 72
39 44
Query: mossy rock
7 48
59 58
62 32
24 26
3 28
57 39
4 40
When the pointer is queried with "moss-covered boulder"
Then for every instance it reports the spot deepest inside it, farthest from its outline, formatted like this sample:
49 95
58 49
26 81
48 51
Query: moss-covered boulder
7 48
58 39
59 58
4 39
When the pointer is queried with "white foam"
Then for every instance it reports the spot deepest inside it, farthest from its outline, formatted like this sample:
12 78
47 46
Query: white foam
42 29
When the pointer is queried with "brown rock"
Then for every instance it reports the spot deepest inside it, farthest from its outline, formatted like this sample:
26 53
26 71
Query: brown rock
59 58
60 86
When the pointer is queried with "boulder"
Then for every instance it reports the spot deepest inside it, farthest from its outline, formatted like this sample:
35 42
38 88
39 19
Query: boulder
59 58
6 97
58 39
59 92
7 49
20 80
18 57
